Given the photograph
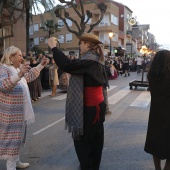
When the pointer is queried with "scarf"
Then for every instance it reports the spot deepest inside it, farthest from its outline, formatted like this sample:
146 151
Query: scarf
74 101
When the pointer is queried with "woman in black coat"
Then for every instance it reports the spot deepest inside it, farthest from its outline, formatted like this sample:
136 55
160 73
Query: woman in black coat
158 134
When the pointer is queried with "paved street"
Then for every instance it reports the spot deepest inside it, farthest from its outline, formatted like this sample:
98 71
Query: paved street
50 147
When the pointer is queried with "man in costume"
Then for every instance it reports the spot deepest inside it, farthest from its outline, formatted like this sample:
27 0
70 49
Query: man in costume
85 106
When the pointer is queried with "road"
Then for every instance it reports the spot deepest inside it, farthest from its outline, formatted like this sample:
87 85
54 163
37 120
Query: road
50 147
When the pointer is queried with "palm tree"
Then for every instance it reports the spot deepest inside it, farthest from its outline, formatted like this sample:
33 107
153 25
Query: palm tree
51 28
37 7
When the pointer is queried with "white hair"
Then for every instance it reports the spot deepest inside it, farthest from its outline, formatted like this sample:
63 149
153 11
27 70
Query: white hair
10 51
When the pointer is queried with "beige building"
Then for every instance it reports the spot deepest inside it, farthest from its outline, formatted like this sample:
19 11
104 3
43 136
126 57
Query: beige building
14 35
68 41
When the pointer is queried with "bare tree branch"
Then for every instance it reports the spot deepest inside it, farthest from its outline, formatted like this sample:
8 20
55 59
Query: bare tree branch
64 20
82 25
95 24
71 3
66 14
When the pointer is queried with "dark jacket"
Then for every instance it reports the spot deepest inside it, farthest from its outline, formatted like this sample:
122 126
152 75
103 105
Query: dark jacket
93 71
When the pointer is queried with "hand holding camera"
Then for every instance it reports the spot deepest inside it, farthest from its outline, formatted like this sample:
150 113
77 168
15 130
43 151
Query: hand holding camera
52 42
24 68
44 61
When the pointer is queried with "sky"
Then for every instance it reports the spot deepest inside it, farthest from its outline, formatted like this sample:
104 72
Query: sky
156 14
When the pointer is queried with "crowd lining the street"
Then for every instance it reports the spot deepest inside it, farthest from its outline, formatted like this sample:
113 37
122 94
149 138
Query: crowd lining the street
22 78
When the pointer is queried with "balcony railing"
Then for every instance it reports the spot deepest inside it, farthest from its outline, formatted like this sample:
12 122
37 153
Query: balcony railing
102 24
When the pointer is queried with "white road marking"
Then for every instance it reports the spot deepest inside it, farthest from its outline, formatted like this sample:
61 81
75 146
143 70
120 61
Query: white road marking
119 95
50 125
142 100
111 87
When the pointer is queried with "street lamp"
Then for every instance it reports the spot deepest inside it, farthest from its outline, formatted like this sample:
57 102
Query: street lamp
110 36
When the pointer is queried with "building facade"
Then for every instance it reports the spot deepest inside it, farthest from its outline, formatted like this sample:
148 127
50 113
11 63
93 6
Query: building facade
68 41
127 39
18 38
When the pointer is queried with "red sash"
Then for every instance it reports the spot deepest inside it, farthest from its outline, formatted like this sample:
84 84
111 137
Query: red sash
93 97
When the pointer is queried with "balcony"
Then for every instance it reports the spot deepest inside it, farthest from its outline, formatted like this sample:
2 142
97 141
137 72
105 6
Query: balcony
102 27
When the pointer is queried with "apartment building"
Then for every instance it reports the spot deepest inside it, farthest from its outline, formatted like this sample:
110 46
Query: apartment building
14 35
68 41
140 34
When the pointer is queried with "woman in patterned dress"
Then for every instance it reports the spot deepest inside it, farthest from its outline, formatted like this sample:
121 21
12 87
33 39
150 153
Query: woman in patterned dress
15 104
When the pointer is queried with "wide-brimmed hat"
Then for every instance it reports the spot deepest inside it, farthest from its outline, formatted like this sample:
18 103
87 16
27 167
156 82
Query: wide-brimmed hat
90 38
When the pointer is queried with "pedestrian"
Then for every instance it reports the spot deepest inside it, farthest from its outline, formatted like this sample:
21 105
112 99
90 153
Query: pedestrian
158 133
45 77
53 77
15 106
139 61
85 107
34 86
126 66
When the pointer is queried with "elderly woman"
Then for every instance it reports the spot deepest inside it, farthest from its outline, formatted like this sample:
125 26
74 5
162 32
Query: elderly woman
15 107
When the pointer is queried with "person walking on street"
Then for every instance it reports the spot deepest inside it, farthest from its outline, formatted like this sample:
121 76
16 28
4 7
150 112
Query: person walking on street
158 133
139 64
85 106
15 106
126 66
53 77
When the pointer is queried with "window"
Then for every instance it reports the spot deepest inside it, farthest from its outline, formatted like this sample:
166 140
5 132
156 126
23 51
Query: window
69 22
36 41
68 38
42 25
36 28
31 30
46 40
115 38
114 19
101 36
41 38
89 22
105 21
61 39
102 22
60 23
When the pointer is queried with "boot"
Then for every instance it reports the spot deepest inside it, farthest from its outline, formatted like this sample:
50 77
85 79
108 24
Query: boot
125 75
128 74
